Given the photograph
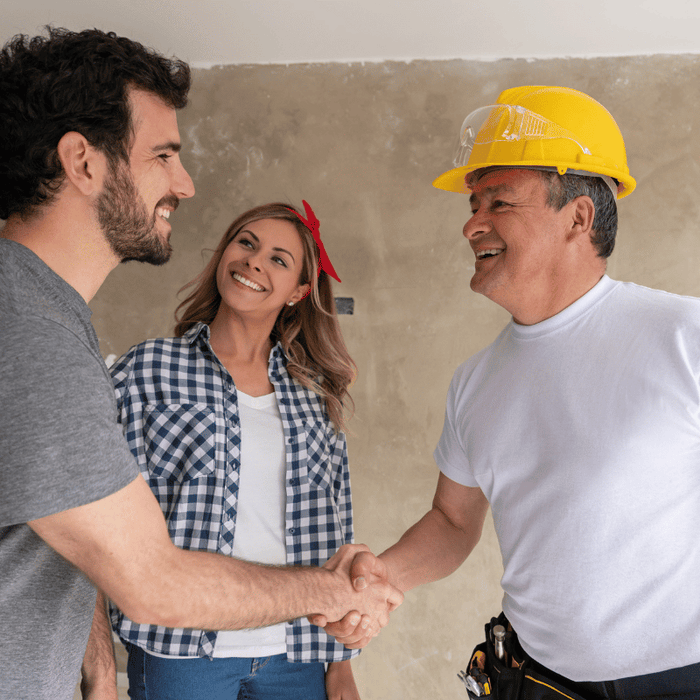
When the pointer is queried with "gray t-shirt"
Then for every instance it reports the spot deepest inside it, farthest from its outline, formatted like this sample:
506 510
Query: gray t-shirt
60 447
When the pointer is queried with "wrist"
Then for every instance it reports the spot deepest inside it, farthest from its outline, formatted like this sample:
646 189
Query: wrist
101 685
394 575
334 594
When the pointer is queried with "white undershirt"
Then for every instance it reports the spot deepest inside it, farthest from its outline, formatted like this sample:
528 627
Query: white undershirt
259 534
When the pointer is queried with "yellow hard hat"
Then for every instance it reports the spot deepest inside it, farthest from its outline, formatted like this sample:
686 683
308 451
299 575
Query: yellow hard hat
541 127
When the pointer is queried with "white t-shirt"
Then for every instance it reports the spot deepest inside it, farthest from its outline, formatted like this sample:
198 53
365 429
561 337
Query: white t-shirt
262 501
583 432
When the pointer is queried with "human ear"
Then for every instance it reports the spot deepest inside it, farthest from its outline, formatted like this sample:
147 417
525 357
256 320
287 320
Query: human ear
582 217
83 165
301 291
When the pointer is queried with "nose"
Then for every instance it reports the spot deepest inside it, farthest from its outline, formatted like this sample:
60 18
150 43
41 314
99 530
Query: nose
253 260
478 224
183 187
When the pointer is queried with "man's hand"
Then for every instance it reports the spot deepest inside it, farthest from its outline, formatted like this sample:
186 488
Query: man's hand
99 672
365 571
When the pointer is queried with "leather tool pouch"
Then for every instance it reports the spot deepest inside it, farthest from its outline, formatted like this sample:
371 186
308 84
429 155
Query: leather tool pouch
489 678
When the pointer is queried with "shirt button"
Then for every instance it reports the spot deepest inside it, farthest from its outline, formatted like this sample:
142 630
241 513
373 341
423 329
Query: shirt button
291 530
294 482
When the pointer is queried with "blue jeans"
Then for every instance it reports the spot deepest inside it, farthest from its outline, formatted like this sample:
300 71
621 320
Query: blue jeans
268 678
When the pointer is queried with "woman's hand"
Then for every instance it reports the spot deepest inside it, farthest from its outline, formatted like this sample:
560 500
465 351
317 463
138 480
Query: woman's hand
340 683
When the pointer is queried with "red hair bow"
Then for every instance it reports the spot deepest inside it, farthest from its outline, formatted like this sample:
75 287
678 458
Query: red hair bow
313 224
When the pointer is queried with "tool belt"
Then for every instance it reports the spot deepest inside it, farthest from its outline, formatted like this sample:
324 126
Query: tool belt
510 677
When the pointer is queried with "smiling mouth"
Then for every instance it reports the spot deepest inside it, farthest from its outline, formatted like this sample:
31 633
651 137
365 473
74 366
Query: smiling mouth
248 283
490 253
166 205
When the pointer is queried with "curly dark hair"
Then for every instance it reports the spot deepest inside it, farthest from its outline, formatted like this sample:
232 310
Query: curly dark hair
71 81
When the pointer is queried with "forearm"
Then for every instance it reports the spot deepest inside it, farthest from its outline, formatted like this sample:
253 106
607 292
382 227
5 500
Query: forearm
121 542
440 542
432 549
225 593
428 551
99 673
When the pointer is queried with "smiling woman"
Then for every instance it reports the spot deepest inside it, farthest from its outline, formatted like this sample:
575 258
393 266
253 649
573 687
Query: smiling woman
236 424
308 331
265 257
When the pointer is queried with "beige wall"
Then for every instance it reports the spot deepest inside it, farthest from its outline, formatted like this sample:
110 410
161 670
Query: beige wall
362 144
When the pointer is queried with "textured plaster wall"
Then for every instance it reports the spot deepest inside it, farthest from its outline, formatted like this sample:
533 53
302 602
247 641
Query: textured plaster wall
362 144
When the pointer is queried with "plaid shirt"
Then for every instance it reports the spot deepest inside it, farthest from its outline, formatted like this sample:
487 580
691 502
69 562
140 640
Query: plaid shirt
179 409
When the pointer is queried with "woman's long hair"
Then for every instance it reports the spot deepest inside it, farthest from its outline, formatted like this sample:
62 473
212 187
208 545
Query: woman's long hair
308 331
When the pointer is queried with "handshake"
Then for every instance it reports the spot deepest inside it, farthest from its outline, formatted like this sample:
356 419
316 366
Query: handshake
362 588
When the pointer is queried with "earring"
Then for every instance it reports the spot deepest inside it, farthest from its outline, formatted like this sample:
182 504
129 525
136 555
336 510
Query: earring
290 303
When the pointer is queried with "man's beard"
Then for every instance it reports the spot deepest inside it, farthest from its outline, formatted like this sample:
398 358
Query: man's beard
122 214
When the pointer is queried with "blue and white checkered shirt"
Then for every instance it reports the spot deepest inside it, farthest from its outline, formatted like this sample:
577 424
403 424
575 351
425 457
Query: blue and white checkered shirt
179 409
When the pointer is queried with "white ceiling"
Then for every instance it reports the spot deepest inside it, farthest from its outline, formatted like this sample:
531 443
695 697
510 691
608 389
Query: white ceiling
214 32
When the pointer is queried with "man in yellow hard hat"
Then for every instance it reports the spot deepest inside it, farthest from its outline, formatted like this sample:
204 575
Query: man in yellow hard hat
579 425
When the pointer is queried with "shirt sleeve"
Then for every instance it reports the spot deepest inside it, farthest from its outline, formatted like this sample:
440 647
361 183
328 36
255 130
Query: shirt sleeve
339 459
61 444
120 371
450 453
127 376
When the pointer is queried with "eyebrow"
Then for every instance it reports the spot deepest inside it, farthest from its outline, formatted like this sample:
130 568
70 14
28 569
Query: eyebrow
257 240
494 189
169 146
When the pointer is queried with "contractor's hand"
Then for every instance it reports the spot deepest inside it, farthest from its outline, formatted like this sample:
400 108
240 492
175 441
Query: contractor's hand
366 573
